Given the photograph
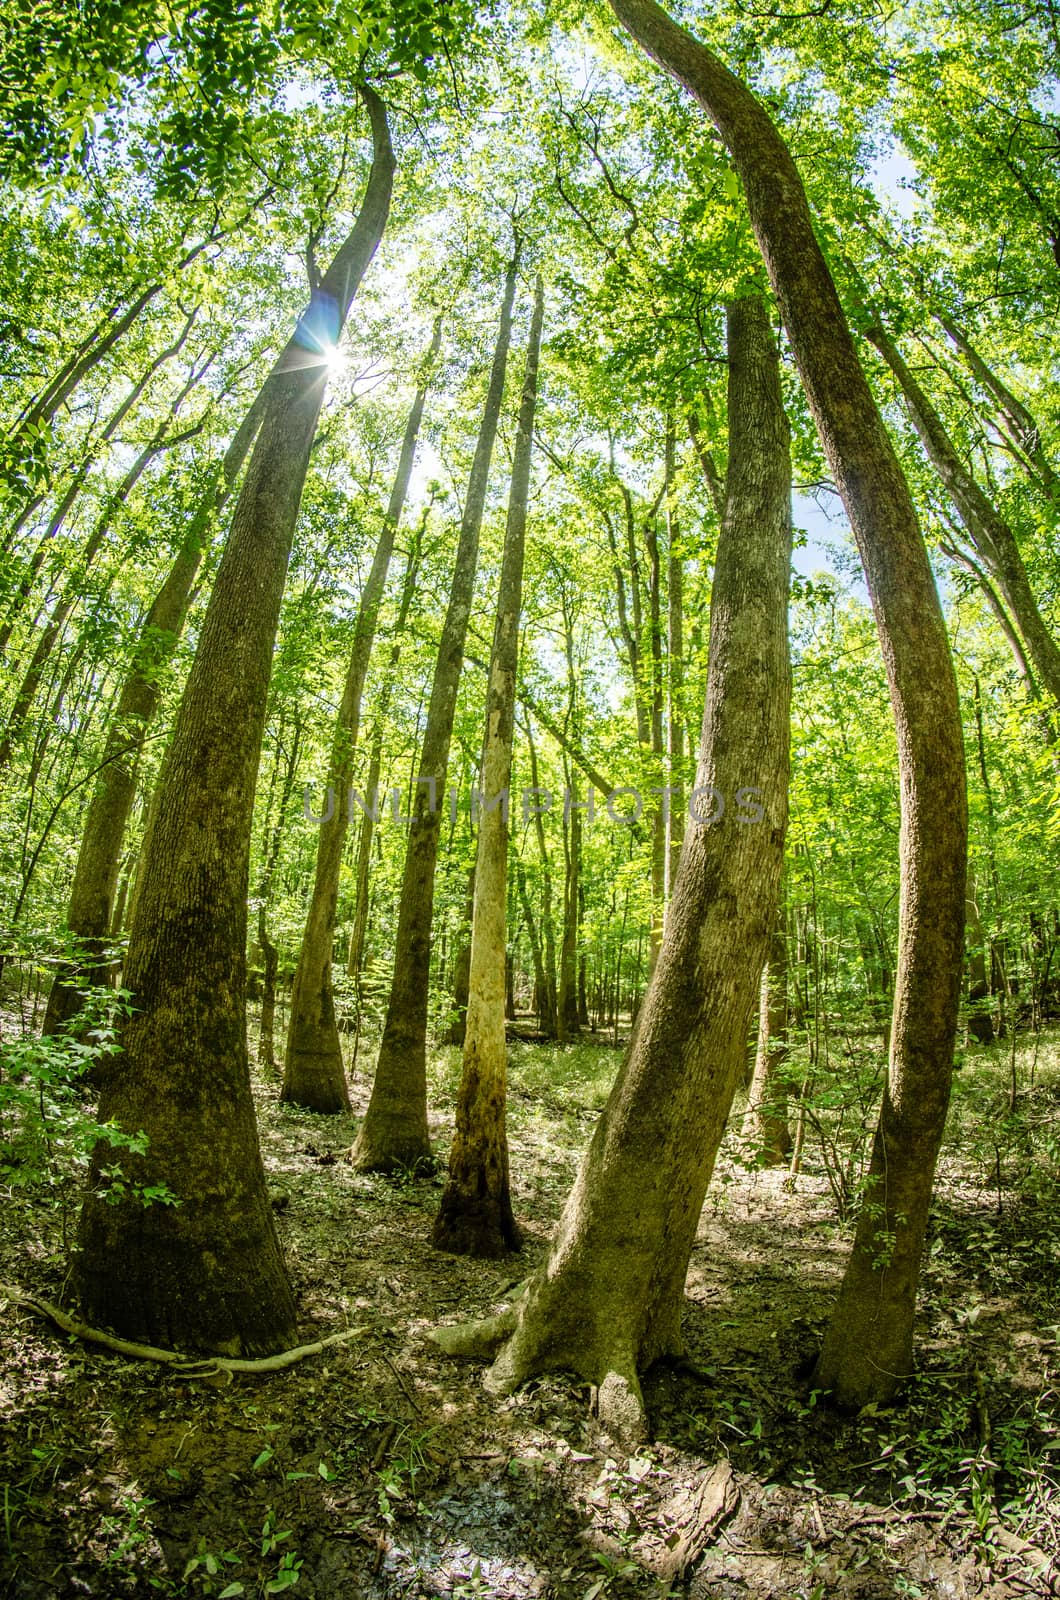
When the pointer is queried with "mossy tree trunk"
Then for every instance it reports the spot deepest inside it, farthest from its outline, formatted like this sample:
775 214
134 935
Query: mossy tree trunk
608 1300
475 1216
313 1074
868 1348
394 1132
207 1273
91 907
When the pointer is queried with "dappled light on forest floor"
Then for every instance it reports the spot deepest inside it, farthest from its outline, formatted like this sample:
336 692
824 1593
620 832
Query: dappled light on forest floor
384 1469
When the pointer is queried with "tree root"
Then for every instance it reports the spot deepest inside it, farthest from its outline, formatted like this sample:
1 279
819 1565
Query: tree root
481 1340
184 1366
620 1408
478 1340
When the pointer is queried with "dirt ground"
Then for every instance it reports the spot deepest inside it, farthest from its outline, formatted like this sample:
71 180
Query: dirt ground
382 1468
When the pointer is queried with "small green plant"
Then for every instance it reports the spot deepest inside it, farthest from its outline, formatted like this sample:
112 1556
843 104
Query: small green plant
615 1569
48 1130
289 1568
208 1569
129 1527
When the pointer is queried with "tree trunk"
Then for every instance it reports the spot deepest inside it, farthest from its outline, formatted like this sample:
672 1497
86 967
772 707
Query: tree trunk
1022 428
91 904
868 1347
989 532
270 956
675 606
462 968
980 1020
475 1216
207 1273
548 1007
355 958
608 1300
394 1132
567 1023
767 1099
314 1075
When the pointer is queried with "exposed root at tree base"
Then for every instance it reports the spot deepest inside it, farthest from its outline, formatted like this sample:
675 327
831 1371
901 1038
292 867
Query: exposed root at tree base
185 1366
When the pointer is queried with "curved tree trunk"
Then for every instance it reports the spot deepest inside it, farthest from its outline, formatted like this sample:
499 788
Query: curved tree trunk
394 1132
207 1273
475 1216
868 1347
91 906
313 1073
608 1300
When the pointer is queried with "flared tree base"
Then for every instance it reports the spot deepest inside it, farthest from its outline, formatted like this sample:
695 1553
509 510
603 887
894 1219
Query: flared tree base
483 1227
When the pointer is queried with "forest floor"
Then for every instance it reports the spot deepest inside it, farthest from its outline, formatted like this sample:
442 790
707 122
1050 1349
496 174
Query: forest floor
382 1468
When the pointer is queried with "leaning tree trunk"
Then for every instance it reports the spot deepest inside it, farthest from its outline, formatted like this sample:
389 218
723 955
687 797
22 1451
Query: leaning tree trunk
208 1273
475 1216
991 535
869 1344
394 1132
1020 425
91 907
608 1300
313 1073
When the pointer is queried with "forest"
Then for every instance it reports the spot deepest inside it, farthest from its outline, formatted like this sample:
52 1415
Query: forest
530 821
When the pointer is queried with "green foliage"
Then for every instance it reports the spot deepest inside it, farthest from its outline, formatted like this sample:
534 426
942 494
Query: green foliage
48 1130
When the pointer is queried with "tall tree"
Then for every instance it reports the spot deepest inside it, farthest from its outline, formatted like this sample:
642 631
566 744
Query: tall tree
607 1302
394 1132
207 1273
91 906
868 1347
475 1216
313 1072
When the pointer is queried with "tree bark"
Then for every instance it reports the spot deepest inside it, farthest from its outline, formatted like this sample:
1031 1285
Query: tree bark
207 1274
270 955
475 1216
394 1132
608 1300
868 1348
91 906
314 1075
